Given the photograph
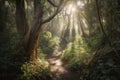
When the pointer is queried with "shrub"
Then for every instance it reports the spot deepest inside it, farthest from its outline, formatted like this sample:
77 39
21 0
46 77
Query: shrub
76 53
38 69
48 42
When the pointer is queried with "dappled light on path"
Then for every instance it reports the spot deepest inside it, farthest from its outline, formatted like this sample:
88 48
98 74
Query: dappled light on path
58 68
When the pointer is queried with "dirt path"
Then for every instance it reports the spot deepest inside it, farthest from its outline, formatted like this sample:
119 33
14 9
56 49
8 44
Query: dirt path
59 70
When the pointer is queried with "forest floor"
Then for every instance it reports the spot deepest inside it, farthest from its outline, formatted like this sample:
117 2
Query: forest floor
59 69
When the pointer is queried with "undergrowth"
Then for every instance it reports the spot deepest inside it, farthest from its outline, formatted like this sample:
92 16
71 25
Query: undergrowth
104 66
77 54
48 42
37 70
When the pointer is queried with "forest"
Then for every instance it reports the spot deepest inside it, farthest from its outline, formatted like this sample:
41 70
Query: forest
59 39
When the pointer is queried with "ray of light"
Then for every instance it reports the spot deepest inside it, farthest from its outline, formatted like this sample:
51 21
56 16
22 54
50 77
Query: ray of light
70 9
80 4
76 29
64 26
71 27
85 27
61 26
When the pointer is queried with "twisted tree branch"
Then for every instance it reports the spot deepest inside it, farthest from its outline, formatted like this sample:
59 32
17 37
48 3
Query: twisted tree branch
59 8
52 3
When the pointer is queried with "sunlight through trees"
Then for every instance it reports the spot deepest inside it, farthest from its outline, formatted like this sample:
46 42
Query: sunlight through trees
59 40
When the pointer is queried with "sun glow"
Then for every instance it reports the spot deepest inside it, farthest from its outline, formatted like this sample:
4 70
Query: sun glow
70 9
80 4
72 22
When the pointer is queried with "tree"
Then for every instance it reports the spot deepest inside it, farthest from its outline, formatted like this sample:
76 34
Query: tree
21 20
2 12
31 34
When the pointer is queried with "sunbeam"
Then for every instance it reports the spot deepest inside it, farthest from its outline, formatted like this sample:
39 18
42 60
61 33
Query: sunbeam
80 4
70 9
68 22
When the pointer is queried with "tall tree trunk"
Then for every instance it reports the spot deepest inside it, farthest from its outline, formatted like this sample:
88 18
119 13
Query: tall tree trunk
31 40
21 20
29 45
2 15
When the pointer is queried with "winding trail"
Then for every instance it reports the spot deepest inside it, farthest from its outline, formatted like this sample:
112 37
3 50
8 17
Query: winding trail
58 68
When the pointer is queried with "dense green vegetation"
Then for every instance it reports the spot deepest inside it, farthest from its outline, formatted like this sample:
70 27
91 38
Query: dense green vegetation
84 32
48 42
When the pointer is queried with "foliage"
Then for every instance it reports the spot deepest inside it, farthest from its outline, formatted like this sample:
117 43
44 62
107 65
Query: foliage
76 53
9 40
95 40
48 42
104 69
9 45
8 48
38 69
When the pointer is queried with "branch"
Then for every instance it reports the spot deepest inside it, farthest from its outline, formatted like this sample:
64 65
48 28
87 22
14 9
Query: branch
51 17
54 5
59 8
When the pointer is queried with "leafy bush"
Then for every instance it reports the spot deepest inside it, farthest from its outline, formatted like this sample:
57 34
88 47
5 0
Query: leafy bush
94 40
8 48
11 69
48 42
76 53
108 70
38 69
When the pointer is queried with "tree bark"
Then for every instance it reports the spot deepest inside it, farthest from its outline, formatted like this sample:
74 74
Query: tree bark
30 41
21 20
2 15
